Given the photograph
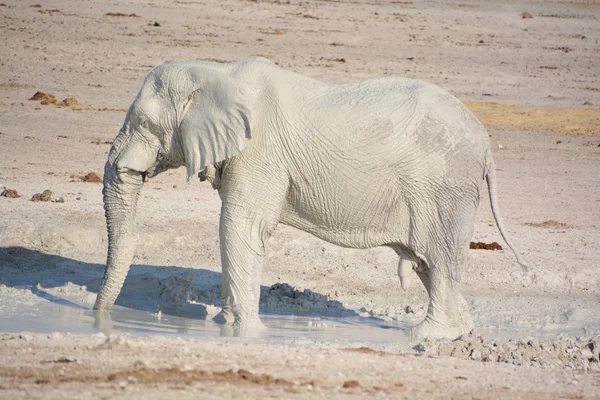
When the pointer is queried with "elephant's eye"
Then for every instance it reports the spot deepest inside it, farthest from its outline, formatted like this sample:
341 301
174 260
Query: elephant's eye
144 123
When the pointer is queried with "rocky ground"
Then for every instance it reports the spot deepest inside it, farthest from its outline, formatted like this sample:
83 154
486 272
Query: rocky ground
70 69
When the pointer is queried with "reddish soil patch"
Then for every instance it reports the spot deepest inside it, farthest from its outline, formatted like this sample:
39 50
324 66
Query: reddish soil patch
144 376
351 384
485 246
10 193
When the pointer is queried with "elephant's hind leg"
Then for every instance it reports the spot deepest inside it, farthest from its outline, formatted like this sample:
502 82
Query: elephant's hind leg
448 312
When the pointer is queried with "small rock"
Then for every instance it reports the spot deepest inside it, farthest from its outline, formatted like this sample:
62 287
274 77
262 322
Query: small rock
26 337
476 354
66 360
526 15
351 384
91 177
46 195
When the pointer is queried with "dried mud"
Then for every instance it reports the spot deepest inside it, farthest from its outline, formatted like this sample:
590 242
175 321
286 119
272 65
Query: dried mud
10 193
46 196
48 99
90 177
565 352
520 76
485 246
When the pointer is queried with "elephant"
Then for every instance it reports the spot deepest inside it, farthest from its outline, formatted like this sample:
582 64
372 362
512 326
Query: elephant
384 162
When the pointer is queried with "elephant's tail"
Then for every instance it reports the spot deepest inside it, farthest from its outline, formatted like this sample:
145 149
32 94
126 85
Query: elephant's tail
490 177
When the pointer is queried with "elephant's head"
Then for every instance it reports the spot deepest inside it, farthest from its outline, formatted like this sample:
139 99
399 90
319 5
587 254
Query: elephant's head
187 113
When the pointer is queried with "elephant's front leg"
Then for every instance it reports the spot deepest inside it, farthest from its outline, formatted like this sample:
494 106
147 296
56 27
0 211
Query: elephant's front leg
243 234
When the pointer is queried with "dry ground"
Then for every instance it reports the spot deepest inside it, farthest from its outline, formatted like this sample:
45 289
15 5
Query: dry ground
532 81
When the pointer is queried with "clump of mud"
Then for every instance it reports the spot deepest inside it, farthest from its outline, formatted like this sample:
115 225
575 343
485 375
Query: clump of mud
565 352
10 193
47 99
178 292
90 177
45 196
72 103
485 246
44 98
282 298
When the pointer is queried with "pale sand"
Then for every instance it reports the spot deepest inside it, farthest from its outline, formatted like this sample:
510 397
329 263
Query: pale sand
542 72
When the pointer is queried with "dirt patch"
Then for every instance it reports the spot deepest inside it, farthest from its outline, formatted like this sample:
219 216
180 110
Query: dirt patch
46 196
90 177
50 11
485 246
10 193
99 142
275 32
568 121
548 224
143 376
526 15
111 109
565 352
365 350
133 15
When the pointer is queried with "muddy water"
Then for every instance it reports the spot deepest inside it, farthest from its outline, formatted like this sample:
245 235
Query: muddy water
282 329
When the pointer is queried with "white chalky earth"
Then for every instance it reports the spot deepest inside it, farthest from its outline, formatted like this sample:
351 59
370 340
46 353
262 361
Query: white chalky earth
531 81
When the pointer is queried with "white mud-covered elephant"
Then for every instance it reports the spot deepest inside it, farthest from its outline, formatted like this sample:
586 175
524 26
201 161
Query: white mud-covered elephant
385 162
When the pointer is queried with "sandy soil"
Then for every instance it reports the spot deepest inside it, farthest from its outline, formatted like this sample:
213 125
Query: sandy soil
532 81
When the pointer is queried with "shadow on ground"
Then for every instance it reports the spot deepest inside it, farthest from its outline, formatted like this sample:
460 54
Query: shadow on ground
172 290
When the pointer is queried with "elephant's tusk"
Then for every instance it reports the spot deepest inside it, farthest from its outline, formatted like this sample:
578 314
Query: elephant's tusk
405 268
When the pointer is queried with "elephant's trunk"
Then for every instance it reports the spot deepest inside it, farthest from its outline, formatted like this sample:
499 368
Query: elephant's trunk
122 187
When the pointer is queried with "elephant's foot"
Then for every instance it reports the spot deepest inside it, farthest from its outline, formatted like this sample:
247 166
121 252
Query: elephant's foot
247 328
431 329
225 317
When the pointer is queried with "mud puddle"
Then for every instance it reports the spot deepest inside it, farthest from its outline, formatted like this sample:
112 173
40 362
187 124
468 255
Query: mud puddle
282 329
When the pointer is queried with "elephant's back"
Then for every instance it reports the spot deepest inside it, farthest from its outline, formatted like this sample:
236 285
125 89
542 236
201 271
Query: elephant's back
392 121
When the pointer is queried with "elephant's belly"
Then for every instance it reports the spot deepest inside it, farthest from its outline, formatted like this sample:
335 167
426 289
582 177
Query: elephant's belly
361 221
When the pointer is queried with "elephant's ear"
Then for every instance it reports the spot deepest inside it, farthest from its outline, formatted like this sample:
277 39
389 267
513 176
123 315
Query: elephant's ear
216 121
